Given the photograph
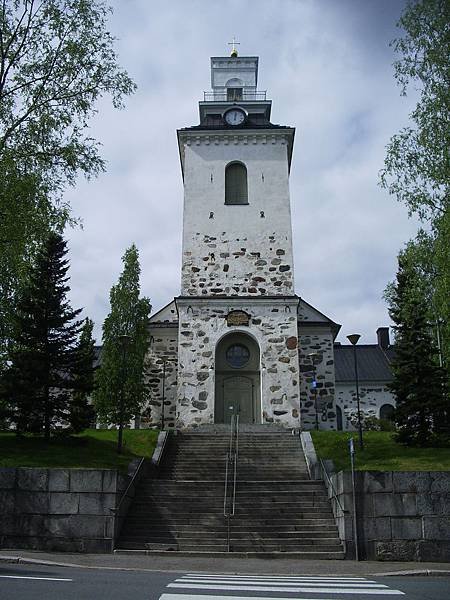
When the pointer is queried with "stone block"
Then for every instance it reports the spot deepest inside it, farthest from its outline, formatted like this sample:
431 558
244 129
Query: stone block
33 525
376 481
377 528
58 480
395 505
438 551
436 528
88 526
440 483
32 479
32 502
406 528
109 481
412 482
7 502
96 504
86 480
396 551
64 503
433 504
8 524
364 504
7 478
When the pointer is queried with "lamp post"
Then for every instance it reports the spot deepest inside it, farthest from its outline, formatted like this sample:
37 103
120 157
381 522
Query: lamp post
353 339
164 360
124 341
312 356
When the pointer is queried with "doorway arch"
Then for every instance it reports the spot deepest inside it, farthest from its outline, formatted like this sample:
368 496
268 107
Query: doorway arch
237 389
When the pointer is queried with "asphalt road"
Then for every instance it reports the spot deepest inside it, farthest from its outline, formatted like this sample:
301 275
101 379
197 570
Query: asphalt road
25 582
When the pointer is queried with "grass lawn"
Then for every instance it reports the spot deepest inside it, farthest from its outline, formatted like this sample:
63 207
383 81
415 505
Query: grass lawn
94 448
380 453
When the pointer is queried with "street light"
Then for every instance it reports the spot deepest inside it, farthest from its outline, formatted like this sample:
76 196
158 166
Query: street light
164 361
124 341
353 339
312 356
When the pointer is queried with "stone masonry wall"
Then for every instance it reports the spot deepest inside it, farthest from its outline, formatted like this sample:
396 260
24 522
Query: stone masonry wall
402 516
58 509
372 397
163 349
230 266
236 249
274 327
320 342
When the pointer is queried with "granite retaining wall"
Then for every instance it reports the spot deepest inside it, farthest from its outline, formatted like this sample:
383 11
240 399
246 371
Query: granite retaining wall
59 509
401 516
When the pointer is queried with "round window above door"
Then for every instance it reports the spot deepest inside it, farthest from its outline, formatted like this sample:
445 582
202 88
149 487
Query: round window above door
237 356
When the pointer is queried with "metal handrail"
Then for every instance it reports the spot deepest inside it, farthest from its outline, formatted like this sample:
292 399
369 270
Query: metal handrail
130 484
236 454
330 484
231 461
217 96
225 494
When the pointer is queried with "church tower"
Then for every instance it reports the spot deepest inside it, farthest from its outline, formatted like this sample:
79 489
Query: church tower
237 312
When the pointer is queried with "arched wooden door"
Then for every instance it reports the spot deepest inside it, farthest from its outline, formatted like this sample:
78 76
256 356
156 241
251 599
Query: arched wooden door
237 379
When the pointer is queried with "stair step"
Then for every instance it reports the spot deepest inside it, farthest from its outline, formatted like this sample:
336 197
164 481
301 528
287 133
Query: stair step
279 509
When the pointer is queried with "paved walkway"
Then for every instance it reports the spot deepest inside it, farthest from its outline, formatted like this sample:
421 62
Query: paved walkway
226 564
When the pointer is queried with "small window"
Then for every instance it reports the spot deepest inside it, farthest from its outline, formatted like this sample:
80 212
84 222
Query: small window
234 94
236 184
237 356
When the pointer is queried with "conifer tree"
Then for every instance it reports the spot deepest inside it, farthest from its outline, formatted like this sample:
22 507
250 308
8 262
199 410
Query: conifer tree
120 390
38 383
81 411
422 410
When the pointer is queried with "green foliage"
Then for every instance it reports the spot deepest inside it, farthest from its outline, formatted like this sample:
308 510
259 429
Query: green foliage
57 59
381 452
120 383
39 379
420 387
92 449
81 412
417 164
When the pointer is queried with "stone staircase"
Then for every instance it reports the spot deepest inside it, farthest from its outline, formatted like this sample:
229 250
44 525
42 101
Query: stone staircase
278 508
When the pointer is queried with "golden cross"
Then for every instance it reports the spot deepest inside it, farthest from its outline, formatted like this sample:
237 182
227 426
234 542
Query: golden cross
234 43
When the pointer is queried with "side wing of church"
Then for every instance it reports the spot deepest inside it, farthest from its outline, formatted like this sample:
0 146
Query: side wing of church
238 339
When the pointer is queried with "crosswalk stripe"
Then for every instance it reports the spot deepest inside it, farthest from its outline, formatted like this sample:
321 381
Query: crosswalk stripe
34 578
312 583
277 578
293 589
214 597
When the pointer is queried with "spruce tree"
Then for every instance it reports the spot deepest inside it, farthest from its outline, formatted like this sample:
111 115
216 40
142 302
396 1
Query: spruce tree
38 381
121 390
422 410
81 411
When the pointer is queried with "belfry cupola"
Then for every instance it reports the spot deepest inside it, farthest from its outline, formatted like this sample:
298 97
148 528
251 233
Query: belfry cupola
234 82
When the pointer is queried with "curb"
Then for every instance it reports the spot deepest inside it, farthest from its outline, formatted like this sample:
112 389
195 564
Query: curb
414 572
40 561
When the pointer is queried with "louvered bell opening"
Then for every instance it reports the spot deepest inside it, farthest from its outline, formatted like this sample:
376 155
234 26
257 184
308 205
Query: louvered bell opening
236 184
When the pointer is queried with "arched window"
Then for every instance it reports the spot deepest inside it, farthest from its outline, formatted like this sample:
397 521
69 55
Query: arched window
339 418
386 412
234 90
236 184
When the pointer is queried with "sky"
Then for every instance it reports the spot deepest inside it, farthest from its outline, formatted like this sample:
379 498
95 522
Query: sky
327 67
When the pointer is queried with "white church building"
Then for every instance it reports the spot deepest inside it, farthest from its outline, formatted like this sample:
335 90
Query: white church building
238 338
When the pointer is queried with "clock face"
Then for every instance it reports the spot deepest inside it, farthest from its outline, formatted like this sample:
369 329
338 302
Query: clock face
235 116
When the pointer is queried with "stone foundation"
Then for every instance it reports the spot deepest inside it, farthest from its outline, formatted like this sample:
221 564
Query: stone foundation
401 516
66 510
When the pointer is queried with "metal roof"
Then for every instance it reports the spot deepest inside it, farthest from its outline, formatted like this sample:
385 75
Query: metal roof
373 363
